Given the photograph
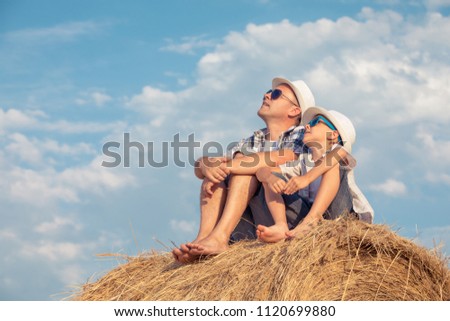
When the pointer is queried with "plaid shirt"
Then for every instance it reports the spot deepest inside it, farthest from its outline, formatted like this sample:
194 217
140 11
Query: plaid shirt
290 139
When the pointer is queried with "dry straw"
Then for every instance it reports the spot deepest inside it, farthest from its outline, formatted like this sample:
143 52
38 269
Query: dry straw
339 260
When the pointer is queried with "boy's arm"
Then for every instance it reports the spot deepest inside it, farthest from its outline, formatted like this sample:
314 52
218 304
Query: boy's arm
326 193
325 164
266 176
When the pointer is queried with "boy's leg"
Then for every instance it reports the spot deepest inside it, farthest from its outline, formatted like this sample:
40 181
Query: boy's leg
240 190
277 231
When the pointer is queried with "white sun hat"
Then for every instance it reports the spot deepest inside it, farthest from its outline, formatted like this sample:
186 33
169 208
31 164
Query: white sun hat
342 123
302 92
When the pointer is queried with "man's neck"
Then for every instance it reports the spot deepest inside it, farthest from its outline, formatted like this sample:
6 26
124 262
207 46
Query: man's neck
275 130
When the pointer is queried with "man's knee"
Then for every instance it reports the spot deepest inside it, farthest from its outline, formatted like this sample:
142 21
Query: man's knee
208 187
240 181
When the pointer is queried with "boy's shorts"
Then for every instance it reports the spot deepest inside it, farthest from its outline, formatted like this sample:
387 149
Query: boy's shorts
257 211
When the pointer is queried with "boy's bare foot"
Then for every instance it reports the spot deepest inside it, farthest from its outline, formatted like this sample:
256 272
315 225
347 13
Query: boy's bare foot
271 234
302 229
208 246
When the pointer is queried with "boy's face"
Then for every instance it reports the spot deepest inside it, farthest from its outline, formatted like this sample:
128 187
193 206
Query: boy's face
319 135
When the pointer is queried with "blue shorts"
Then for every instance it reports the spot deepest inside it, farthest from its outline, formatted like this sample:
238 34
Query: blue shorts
257 211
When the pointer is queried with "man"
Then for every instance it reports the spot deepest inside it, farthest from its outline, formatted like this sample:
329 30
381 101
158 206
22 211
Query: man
229 183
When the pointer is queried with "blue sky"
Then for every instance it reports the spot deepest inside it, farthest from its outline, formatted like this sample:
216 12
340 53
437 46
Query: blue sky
75 75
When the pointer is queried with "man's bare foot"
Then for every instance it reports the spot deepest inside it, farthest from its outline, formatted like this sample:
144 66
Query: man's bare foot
183 254
271 234
208 246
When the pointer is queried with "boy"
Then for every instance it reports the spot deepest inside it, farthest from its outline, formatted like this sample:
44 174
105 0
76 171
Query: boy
325 132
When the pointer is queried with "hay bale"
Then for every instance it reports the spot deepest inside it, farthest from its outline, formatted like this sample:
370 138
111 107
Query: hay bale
338 260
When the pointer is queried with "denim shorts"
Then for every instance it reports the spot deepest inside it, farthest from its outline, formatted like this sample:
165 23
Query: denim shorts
257 211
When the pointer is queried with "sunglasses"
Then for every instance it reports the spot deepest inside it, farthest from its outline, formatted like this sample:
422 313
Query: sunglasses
322 119
277 93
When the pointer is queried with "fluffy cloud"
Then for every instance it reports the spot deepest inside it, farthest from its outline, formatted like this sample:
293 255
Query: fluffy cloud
377 65
387 72
48 186
57 224
390 187
13 118
183 226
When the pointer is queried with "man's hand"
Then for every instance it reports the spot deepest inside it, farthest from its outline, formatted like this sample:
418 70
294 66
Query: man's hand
214 168
207 187
296 183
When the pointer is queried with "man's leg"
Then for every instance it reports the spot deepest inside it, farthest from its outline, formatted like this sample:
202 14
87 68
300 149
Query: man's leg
241 189
211 207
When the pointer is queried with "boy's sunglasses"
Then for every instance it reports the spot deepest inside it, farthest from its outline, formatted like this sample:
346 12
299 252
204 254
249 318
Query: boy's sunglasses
322 119
277 93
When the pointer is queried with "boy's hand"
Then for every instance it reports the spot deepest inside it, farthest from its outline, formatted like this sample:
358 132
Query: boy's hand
276 184
295 183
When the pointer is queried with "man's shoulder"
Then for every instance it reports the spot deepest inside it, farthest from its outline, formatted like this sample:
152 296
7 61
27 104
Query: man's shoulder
296 129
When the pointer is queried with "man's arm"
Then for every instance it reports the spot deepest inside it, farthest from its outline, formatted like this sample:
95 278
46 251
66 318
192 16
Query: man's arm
249 165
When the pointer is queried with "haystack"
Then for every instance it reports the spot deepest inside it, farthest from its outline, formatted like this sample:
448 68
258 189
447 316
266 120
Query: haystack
338 260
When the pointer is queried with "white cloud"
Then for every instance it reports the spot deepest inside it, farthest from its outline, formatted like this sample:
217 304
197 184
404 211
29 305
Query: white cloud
436 4
53 251
24 149
38 152
431 151
62 32
57 224
379 64
183 226
47 186
188 45
13 118
390 187
100 98
7 234
38 187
